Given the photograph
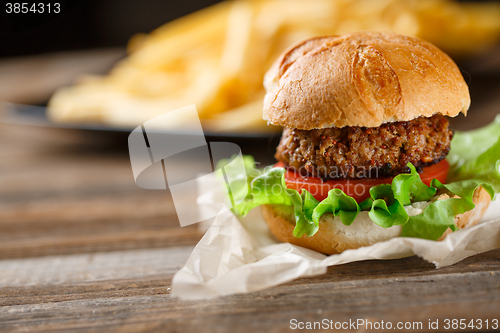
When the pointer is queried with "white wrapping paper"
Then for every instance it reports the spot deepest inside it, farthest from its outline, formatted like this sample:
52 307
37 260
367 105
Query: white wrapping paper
240 255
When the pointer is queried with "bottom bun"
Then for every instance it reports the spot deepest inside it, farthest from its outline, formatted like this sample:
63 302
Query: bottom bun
334 237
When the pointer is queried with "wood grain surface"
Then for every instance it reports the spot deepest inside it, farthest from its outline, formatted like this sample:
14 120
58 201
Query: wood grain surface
82 248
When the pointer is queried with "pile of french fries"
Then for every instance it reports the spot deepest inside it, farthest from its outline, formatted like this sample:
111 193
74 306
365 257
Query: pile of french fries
216 58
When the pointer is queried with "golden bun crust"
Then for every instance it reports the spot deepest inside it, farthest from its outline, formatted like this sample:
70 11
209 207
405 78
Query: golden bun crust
362 79
333 237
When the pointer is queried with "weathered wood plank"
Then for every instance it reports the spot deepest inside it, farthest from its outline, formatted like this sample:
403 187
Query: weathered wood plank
121 241
91 223
79 268
146 284
397 290
61 196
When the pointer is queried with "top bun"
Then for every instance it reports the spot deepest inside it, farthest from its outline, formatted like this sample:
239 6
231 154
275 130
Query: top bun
362 79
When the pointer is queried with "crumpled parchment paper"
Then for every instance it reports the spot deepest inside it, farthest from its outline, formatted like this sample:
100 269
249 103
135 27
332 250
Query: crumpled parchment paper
238 255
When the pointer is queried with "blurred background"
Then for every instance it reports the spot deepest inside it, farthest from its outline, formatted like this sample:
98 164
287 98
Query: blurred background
111 65
88 24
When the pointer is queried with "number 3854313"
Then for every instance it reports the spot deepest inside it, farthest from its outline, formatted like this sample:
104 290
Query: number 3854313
35 8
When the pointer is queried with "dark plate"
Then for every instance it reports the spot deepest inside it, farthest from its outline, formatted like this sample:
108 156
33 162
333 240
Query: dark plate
34 115
31 115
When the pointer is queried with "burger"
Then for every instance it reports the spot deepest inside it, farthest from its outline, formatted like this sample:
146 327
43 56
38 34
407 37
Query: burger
363 154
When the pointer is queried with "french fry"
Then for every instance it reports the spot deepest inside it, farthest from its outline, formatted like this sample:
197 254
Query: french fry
244 119
216 58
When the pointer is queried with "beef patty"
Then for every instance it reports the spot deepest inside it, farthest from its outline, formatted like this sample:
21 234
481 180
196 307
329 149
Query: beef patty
366 152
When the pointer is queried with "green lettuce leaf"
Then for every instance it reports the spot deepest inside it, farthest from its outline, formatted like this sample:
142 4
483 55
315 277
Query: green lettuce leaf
482 170
470 172
468 146
408 188
339 204
434 220
268 188
474 159
304 221
386 210
240 185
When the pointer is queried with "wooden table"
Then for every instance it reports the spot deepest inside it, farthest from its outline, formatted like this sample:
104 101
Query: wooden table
82 248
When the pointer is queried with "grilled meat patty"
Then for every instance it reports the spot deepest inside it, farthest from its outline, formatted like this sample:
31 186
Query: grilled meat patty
366 152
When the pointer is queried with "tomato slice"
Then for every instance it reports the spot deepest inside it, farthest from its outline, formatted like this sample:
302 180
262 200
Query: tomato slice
356 188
